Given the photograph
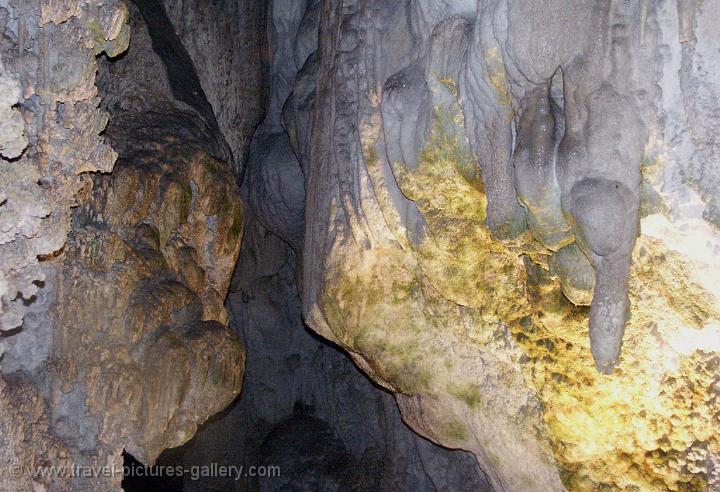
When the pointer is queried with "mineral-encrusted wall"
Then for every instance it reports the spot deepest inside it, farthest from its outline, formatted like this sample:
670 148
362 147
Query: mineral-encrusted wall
305 407
125 342
506 212
150 258
50 135
145 275
481 172
49 142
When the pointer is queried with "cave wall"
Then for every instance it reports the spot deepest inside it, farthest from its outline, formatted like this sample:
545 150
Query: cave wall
125 342
150 258
50 137
481 172
50 141
226 39
304 405
506 212
145 275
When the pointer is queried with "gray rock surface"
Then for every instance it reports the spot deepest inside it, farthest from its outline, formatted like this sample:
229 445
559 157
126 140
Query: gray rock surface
227 44
47 104
49 142
440 188
305 407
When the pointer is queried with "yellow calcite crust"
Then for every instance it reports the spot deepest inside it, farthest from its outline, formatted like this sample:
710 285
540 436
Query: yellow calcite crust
465 317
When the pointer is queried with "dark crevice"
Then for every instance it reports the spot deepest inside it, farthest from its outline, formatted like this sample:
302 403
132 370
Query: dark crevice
181 72
140 478
9 333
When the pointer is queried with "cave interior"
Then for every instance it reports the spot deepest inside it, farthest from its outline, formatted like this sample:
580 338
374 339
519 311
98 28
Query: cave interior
359 245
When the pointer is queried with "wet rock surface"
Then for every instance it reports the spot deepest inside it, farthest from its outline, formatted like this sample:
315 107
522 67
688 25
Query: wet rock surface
305 407
505 212
453 258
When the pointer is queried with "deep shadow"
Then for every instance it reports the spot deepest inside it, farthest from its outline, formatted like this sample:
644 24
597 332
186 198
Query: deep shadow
181 72
139 478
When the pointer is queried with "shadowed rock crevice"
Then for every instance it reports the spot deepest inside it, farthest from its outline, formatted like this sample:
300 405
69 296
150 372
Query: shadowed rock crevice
149 258
367 244
305 407
180 69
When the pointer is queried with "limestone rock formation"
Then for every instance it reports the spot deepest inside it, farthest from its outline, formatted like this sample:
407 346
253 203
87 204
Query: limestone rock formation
505 212
27 439
50 131
150 260
304 407
152 256
437 135
226 40
49 141
124 342
303 402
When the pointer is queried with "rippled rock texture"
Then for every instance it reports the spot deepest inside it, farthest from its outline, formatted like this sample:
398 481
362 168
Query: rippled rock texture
49 141
50 131
125 342
505 211
481 172
147 269
150 264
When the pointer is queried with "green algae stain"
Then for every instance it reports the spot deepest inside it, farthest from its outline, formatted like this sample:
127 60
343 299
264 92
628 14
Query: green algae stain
455 430
468 393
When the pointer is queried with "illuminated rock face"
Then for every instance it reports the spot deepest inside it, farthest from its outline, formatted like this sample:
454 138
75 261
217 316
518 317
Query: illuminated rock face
49 142
124 342
145 275
476 187
510 221
49 137
304 406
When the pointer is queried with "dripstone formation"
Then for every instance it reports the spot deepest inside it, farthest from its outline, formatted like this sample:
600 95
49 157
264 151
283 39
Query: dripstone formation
503 212
124 342
304 406
482 171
